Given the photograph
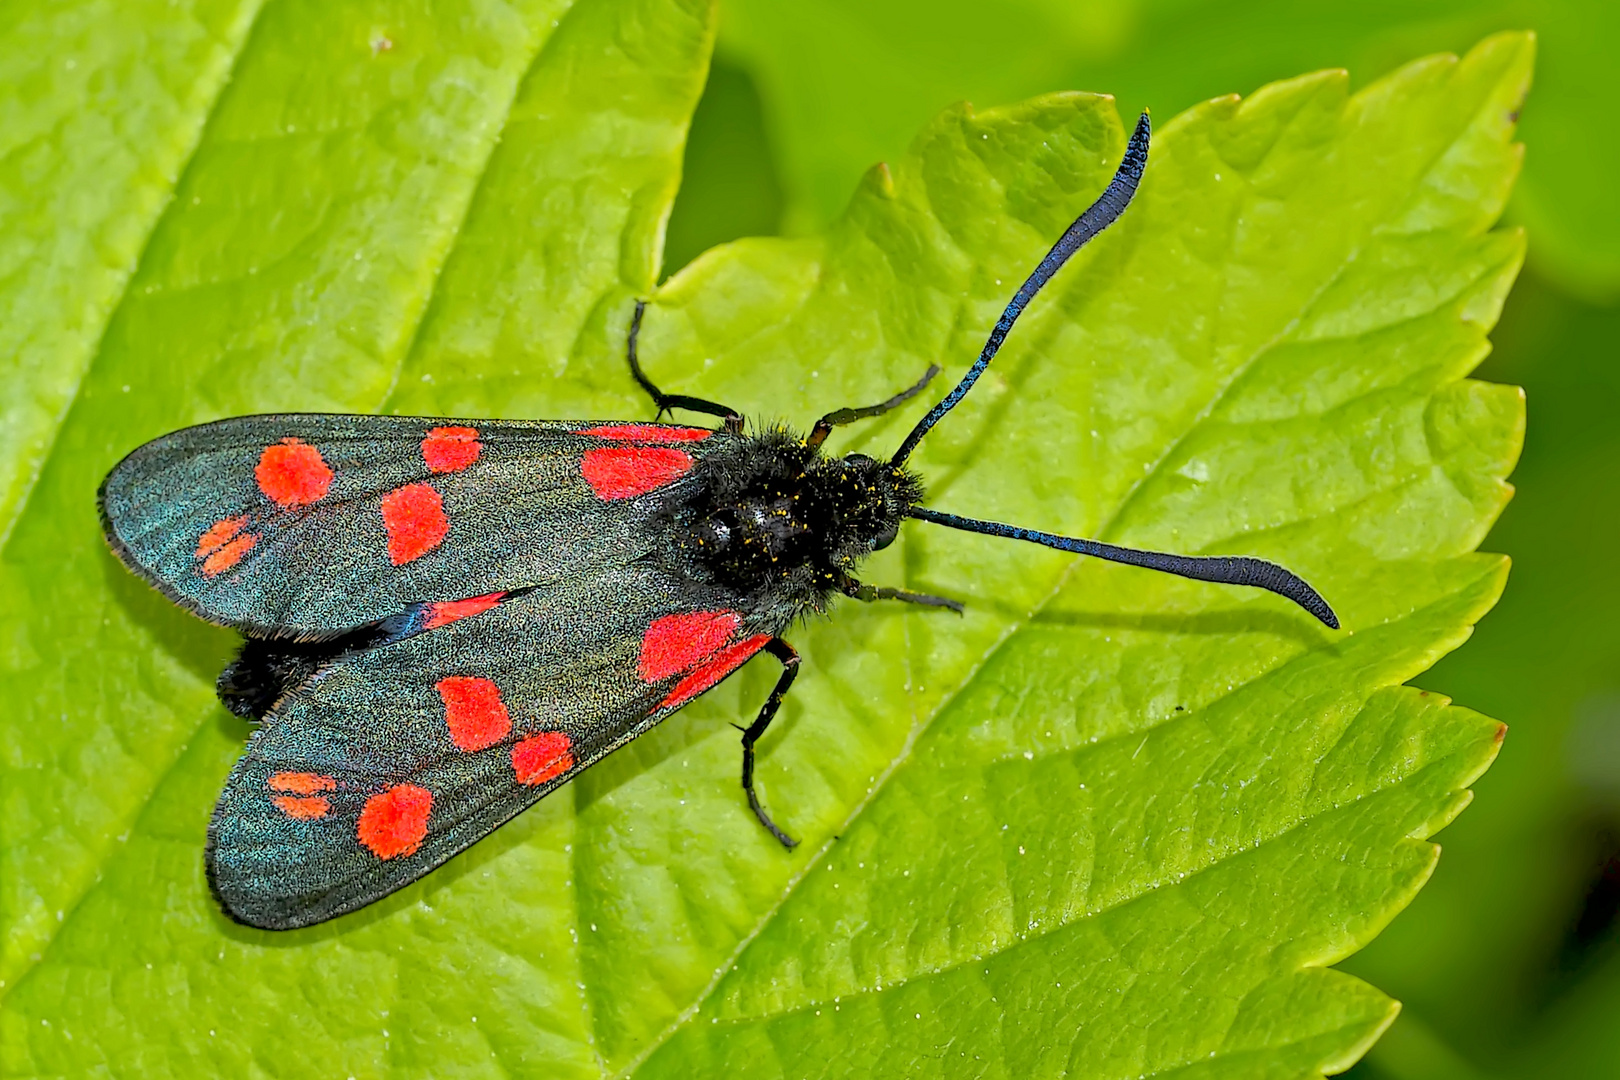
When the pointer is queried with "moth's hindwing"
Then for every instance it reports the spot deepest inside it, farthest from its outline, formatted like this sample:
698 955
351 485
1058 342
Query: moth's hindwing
393 759
308 525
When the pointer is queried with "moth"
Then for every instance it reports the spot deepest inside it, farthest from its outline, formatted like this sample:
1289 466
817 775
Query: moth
447 619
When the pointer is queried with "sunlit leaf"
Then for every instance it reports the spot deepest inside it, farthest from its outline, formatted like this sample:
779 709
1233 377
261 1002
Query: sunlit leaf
1107 823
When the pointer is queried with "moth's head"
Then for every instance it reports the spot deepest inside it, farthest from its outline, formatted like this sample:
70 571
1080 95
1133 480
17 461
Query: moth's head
863 501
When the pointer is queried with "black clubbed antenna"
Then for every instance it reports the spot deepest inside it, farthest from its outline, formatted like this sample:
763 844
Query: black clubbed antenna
1224 569
1097 217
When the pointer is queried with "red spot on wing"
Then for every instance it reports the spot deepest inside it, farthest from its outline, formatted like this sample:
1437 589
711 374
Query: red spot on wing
648 433
677 643
229 555
451 449
542 757
220 548
395 822
620 472
474 712
218 534
301 783
724 663
302 807
292 473
414 518
451 610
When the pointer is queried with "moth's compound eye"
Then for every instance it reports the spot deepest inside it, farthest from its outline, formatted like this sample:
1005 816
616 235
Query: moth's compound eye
886 537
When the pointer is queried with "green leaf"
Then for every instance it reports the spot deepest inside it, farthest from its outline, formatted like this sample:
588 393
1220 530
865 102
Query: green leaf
846 82
1106 824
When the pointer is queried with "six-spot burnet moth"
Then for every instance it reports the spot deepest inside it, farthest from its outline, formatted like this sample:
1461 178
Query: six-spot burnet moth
448 619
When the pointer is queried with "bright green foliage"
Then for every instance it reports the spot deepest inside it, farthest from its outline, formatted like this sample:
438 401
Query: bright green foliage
1108 822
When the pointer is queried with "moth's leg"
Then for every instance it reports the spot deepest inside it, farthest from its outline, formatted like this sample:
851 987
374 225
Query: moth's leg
751 734
838 417
861 591
666 402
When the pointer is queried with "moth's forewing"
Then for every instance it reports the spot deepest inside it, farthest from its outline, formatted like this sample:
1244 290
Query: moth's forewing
307 525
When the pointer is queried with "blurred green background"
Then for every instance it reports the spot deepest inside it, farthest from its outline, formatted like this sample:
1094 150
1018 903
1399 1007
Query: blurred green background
1508 962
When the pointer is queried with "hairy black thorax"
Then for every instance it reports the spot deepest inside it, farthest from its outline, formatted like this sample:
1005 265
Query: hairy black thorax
775 520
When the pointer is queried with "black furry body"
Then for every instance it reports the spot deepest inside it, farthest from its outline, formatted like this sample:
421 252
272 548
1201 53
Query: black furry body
779 525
